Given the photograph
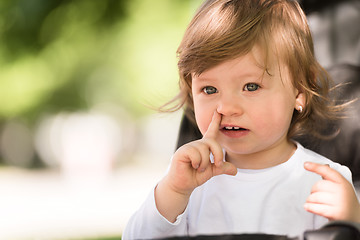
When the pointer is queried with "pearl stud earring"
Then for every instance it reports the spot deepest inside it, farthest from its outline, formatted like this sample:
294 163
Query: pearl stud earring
300 109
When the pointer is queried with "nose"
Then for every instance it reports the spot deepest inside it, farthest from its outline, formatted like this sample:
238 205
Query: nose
230 105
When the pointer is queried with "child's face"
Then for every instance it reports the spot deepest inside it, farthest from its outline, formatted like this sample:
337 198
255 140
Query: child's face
257 105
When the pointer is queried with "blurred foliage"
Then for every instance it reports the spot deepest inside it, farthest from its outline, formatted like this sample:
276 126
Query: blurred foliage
64 55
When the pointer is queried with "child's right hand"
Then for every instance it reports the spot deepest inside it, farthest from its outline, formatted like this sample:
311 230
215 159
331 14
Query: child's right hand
190 168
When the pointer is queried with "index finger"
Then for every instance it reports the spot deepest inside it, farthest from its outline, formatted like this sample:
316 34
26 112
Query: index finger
325 171
213 128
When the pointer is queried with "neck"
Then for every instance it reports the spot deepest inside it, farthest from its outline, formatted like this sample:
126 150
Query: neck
267 158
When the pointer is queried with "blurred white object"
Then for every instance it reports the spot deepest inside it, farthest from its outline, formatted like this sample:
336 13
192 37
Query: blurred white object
159 134
90 144
82 144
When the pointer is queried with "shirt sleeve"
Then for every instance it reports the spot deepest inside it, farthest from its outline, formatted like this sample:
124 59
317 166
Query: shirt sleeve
148 223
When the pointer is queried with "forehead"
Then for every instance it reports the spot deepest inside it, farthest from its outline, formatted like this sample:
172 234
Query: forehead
256 61
240 67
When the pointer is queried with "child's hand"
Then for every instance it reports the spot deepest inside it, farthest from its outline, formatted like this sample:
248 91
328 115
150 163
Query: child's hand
191 166
333 197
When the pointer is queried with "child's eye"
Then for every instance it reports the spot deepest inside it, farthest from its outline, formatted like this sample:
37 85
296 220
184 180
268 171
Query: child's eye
251 87
209 90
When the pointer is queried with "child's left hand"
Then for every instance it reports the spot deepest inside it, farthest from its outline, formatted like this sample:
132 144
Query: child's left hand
333 197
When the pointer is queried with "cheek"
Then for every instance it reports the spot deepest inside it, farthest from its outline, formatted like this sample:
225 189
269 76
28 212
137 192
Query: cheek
277 120
203 116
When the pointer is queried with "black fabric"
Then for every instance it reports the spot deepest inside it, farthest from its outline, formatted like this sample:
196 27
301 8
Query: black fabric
310 6
188 132
234 237
335 230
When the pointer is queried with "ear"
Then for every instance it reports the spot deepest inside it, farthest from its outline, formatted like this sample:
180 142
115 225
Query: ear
300 101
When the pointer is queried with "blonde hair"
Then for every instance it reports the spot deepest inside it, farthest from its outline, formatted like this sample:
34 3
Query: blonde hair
225 29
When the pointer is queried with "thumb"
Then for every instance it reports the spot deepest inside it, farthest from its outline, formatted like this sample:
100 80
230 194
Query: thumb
226 168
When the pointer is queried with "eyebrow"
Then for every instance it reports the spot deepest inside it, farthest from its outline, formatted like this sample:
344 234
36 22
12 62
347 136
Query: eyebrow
237 76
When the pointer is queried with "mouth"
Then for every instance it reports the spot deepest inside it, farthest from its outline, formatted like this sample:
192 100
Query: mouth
234 131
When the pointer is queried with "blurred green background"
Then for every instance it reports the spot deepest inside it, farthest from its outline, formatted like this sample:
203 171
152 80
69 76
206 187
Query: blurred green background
64 56
110 61
69 55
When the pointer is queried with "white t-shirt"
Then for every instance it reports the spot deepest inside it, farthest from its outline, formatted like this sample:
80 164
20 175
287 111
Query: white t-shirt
266 201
